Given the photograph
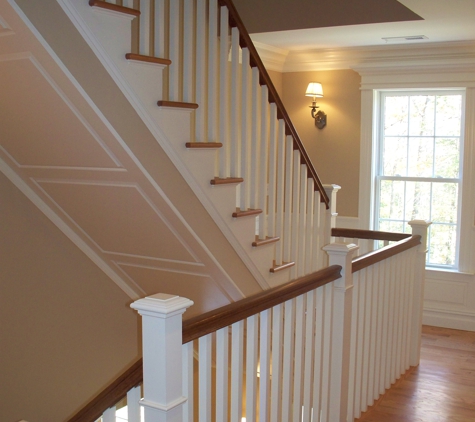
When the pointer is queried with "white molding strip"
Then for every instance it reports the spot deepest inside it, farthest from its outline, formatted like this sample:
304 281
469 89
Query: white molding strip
461 54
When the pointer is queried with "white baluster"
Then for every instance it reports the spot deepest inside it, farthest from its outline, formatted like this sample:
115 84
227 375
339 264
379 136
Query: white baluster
263 163
280 198
310 229
385 327
174 51
212 70
255 144
352 387
308 362
372 341
144 37
235 105
204 385
392 331
245 151
318 255
109 415
133 407
360 279
367 337
288 358
276 381
222 369
294 251
236 371
318 354
299 357
159 29
379 327
188 387
272 162
289 152
326 357
224 169
252 332
188 37
201 70
302 221
264 364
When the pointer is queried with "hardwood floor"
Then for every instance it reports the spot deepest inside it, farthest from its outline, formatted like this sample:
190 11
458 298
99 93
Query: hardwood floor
440 389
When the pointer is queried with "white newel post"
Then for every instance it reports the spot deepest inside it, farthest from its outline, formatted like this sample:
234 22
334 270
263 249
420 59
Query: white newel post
331 191
419 227
162 356
340 254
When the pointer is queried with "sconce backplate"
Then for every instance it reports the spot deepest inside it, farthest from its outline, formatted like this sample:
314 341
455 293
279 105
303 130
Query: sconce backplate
320 119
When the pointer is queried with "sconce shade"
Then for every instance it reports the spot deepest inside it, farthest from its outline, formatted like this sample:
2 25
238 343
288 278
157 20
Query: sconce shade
314 89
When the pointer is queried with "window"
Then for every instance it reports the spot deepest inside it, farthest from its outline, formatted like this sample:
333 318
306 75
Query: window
418 173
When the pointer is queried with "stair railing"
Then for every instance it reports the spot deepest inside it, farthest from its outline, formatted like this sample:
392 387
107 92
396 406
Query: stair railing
322 348
216 71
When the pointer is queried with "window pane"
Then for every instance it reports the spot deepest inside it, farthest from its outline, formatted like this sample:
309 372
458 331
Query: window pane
391 226
421 155
394 156
418 201
442 244
444 202
396 115
449 112
391 199
447 155
422 108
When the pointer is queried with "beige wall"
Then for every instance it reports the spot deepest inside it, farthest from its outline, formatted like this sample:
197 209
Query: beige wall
276 80
334 150
65 326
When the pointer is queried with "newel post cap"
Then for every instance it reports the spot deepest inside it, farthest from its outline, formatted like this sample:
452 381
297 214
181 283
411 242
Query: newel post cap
161 305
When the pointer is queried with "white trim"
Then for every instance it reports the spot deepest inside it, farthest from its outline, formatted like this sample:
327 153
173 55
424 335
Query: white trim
449 319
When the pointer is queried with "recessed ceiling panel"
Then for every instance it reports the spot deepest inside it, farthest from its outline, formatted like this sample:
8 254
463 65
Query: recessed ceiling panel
119 219
38 125
277 15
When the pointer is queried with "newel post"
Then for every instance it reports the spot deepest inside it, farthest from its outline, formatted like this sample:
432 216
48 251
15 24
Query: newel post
331 191
162 356
340 254
419 227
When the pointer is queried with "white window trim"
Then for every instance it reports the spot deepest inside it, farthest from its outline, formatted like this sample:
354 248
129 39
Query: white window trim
410 77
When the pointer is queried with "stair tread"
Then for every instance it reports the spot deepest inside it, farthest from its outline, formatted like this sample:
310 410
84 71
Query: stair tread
245 213
114 7
203 145
282 266
267 241
177 104
226 180
148 59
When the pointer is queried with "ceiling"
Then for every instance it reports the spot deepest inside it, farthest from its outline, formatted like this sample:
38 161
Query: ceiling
312 24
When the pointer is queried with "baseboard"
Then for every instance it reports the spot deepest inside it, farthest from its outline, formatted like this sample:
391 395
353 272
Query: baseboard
447 319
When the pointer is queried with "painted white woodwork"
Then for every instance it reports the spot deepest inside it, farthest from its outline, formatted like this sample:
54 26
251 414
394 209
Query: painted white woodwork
133 406
205 378
273 188
145 27
263 162
224 99
245 131
200 71
188 51
340 254
264 367
222 369
288 359
288 183
235 101
277 362
174 50
188 386
237 371
310 228
212 70
109 415
278 200
162 355
255 132
252 348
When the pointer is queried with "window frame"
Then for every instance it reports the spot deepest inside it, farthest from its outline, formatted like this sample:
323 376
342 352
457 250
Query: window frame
377 167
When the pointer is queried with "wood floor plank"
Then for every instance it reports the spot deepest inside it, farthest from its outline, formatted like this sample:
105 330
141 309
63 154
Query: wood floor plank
440 389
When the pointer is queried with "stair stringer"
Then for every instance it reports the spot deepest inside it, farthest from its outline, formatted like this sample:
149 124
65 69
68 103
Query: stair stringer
169 127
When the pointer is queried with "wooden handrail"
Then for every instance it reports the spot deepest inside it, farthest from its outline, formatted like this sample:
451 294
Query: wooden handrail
264 79
205 324
116 391
374 257
369 234
222 317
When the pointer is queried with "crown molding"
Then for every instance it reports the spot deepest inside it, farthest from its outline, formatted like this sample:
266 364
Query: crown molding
421 55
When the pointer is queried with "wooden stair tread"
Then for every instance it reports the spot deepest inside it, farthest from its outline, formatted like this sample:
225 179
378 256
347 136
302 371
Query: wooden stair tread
177 104
203 145
114 7
267 241
147 59
226 180
245 213
281 267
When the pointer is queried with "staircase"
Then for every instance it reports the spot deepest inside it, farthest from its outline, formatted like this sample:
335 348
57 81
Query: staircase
192 74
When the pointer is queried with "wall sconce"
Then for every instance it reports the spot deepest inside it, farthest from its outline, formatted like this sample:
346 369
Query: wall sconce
315 90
